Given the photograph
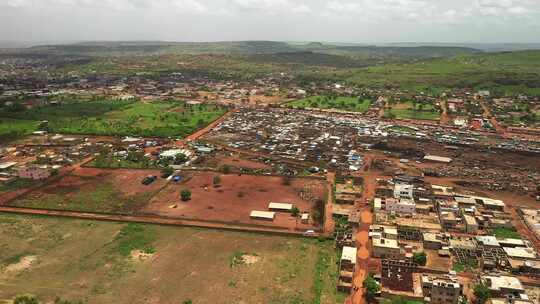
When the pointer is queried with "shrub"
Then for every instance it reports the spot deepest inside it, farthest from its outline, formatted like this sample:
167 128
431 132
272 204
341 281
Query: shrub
420 258
185 195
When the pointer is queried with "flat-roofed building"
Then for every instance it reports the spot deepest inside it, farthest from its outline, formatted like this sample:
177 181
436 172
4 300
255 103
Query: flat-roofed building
400 206
403 191
471 225
439 159
34 172
280 207
434 241
383 231
520 253
441 289
501 285
348 258
262 215
386 248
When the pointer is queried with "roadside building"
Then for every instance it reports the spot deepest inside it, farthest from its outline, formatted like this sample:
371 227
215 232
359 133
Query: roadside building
34 172
441 289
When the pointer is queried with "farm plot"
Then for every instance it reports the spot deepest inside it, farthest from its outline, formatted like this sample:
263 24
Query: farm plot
105 262
233 198
94 190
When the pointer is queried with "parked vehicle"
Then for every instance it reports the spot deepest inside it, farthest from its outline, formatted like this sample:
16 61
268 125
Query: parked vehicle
177 178
149 179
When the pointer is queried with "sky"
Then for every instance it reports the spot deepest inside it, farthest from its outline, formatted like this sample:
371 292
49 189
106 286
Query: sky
360 21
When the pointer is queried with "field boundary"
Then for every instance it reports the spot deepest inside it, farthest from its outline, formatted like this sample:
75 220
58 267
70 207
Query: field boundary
158 220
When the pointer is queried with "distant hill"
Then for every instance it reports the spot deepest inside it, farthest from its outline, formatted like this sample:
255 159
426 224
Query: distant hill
137 48
310 58
487 47
160 48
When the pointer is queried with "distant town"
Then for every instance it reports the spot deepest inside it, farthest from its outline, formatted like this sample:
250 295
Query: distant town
337 192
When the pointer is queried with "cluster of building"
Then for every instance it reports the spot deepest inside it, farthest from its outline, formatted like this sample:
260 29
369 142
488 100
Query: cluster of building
455 232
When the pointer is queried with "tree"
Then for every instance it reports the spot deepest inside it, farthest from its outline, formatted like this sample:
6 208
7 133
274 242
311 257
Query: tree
295 211
225 169
481 293
371 286
180 158
187 302
217 180
167 171
185 195
420 258
26 300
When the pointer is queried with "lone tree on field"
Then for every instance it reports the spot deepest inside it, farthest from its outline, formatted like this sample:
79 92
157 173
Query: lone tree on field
185 195
217 180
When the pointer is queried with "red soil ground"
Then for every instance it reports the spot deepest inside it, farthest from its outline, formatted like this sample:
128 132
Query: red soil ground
235 198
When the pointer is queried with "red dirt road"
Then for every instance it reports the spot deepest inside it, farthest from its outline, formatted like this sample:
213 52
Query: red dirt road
362 237
208 128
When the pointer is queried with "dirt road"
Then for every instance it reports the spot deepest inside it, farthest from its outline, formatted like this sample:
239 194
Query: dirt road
328 218
209 127
151 220
362 236
488 115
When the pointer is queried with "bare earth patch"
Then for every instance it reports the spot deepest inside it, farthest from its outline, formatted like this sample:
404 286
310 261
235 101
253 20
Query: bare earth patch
250 259
140 256
22 265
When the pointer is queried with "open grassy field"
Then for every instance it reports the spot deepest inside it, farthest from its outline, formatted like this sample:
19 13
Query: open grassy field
90 189
352 104
408 110
510 73
104 262
15 128
153 119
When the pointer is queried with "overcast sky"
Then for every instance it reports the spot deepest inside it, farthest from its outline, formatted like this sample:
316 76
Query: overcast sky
367 21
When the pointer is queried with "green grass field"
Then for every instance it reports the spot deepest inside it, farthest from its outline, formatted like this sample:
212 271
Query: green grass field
120 118
14 128
352 104
509 233
106 262
407 110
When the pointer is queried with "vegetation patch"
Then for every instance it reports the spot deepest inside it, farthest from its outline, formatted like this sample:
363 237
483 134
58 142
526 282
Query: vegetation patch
135 237
506 233
116 118
352 104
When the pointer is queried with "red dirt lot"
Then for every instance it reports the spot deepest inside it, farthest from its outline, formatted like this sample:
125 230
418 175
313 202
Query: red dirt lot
236 197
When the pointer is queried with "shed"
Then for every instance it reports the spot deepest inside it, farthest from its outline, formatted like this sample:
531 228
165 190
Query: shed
262 215
285 207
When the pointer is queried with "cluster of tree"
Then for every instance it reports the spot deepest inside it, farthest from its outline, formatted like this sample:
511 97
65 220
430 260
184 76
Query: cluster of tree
29 299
